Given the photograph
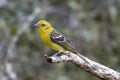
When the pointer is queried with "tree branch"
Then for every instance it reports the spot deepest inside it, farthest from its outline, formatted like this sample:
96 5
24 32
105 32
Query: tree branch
90 66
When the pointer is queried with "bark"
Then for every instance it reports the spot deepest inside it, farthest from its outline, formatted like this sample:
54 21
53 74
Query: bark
90 66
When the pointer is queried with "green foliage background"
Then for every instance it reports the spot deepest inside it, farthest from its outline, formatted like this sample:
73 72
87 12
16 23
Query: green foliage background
93 25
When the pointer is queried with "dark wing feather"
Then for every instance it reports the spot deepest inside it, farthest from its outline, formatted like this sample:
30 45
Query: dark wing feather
61 40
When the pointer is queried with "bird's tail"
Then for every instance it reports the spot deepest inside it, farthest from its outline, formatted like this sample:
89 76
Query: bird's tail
82 57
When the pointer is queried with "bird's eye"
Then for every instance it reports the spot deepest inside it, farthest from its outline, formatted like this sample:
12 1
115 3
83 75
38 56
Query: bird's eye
43 24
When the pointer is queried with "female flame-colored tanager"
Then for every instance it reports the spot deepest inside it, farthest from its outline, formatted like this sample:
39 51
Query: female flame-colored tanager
54 39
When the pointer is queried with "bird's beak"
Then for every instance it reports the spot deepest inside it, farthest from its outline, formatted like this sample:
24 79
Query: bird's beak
35 25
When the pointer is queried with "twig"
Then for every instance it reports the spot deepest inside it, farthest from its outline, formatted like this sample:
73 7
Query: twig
94 68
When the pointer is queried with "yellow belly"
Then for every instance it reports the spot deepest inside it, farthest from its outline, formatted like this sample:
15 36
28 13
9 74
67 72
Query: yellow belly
46 39
53 45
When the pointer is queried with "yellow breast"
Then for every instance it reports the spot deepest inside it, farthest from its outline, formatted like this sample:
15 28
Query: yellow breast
45 36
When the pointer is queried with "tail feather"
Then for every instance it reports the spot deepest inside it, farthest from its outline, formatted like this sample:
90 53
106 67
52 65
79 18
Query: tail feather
82 57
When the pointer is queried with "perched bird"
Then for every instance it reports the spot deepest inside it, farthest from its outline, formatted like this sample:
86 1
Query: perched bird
54 39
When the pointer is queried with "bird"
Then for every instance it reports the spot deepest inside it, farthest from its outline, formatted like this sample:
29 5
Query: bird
54 39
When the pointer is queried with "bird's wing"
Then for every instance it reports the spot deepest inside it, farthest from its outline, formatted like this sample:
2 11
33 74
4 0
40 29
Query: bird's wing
61 40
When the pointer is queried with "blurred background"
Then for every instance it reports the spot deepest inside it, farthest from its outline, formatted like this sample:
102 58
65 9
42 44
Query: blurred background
93 25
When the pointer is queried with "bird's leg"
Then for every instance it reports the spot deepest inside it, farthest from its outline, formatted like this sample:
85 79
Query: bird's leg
58 53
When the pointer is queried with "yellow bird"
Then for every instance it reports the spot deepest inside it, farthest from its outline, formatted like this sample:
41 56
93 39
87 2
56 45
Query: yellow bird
54 39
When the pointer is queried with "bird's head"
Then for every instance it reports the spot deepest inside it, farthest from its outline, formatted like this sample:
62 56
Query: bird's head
43 25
